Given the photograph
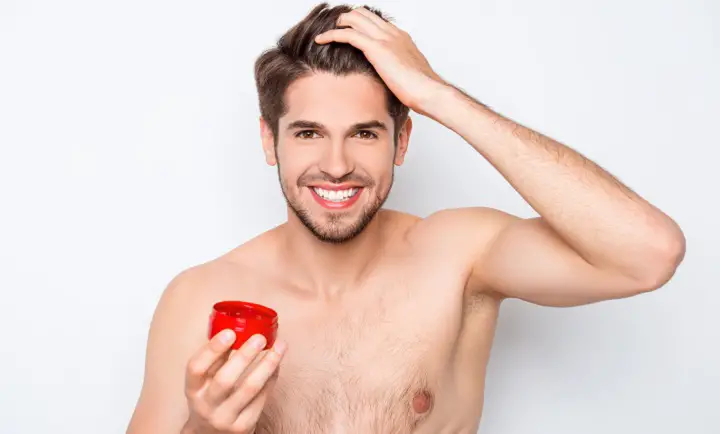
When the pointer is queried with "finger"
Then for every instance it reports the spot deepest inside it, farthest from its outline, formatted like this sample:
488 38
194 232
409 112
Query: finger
201 362
224 381
212 370
348 36
245 419
379 21
257 379
361 23
248 417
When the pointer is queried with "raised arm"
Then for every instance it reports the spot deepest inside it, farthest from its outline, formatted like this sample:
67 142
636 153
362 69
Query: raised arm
595 238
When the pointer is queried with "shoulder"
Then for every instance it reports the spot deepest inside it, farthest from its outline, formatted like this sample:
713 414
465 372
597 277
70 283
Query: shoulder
470 215
186 303
458 228
235 274
460 239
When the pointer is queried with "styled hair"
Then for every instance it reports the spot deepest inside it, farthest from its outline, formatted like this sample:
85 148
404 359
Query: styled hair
297 55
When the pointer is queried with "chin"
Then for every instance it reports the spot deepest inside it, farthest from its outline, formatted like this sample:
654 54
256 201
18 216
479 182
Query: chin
333 237
334 229
336 226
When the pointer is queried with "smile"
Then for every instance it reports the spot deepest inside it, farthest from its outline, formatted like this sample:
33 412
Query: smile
336 195
336 199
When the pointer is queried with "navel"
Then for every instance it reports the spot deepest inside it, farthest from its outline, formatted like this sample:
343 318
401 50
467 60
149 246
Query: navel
422 401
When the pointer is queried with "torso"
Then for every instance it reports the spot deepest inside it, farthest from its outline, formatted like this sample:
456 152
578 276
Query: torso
404 353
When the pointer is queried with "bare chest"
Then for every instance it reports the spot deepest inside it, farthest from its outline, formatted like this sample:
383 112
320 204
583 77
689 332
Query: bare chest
374 364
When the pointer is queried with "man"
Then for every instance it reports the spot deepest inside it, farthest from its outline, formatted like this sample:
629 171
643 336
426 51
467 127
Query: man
386 319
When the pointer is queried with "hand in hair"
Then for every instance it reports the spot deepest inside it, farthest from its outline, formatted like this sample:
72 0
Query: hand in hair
392 53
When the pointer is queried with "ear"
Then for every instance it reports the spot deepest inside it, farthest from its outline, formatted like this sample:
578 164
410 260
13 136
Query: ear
403 141
268 142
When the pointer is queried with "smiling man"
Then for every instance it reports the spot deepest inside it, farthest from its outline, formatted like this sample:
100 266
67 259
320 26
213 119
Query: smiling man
386 319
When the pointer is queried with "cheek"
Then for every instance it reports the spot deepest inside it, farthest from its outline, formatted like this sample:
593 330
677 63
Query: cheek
376 158
381 165
298 157
290 173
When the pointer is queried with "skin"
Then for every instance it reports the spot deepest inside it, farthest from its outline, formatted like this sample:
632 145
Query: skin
388 329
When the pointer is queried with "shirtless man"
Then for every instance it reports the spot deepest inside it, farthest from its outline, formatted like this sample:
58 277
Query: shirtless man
386 320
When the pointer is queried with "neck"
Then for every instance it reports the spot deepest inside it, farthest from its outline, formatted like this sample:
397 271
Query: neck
329 269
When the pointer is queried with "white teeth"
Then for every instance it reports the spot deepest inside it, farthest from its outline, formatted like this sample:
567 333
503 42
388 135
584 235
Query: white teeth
336 195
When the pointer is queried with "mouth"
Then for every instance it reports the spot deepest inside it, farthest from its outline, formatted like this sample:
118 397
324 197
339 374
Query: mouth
336 198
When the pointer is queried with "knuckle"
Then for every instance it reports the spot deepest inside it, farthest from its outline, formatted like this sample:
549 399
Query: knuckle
195 368
272 359
385 37
223 382
219 422
267 368
244 357
253 386
193 398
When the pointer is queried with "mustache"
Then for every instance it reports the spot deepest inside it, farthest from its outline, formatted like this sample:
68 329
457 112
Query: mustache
308 179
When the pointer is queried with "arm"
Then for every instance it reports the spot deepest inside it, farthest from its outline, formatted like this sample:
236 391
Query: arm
595 239
175 333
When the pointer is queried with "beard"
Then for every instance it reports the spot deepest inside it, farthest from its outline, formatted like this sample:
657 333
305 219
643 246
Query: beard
334 231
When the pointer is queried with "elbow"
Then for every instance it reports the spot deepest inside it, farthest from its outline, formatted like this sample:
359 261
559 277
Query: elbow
663 257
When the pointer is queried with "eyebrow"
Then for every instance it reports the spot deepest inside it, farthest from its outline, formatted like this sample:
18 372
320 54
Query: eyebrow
305 124
369 126
375 124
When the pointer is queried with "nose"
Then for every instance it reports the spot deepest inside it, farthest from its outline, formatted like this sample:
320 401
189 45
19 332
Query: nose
335 161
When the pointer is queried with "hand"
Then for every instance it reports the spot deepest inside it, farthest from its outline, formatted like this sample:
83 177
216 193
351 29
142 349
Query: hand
226 395
392 53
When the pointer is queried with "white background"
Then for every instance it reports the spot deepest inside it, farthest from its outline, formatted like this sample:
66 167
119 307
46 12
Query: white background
129 151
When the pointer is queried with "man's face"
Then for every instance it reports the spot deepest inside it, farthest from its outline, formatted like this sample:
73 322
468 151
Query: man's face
335 152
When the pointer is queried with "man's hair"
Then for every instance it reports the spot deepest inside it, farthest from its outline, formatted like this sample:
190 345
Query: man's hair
297 55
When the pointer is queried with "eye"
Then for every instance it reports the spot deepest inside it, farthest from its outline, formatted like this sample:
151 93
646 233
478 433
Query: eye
307 134
366 135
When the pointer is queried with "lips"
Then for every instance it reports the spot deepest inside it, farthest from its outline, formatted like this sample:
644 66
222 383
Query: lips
336 197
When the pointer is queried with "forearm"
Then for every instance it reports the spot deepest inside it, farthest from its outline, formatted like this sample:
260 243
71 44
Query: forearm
601 219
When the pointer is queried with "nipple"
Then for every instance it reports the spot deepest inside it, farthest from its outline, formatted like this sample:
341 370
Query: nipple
422 402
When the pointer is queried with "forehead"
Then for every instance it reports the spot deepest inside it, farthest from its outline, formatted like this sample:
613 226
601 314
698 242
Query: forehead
329 98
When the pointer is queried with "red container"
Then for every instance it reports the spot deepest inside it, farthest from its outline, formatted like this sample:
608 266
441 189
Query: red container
245 319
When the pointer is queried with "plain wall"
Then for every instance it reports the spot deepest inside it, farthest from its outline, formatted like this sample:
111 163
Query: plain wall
129 151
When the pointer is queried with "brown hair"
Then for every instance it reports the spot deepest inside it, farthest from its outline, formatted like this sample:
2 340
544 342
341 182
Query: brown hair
296 55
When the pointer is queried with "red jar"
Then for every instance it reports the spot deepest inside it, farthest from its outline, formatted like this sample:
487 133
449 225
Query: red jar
245 319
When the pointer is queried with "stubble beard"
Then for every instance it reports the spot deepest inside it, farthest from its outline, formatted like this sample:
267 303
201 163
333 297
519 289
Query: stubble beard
334 232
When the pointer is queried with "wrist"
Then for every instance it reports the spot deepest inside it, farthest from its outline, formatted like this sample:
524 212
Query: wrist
434 99
453 108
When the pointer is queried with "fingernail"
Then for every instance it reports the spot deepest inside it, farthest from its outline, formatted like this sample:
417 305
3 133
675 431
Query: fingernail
258 342
227 336
280 347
